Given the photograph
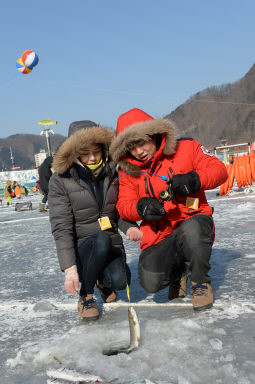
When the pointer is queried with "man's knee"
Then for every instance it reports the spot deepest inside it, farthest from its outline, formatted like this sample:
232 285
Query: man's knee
150 281
196 230
190 231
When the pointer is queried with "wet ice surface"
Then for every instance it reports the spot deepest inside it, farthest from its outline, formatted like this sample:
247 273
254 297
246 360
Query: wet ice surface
39 322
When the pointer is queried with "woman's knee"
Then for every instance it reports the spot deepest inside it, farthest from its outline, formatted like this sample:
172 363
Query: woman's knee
102 240
117 275
118 282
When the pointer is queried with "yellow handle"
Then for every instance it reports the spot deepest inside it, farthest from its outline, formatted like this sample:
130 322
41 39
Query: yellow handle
128 293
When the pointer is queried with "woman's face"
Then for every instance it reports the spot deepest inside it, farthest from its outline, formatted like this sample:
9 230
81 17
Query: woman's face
91 155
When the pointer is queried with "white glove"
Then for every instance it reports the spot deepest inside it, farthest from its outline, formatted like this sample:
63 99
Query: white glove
72 280
134 234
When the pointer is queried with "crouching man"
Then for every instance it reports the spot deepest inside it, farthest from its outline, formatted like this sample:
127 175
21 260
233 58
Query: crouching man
162 181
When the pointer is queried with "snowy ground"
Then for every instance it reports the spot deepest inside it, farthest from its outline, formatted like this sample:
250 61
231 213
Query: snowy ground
39 322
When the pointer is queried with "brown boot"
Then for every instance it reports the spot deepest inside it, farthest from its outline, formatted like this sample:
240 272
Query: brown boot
202 296
87 308
42 207
108 295
177 288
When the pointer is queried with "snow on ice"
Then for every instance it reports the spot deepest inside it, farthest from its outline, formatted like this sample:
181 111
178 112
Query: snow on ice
40 326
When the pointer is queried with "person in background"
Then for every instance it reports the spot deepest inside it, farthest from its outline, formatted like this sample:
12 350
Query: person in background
37 185
162 182
8 192
17 190
25 190
45 173
84 219
13 190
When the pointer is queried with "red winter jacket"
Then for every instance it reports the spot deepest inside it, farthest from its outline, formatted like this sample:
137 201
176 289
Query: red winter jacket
184 155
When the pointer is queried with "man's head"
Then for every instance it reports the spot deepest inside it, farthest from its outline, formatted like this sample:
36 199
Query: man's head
140 137
143 150
140 144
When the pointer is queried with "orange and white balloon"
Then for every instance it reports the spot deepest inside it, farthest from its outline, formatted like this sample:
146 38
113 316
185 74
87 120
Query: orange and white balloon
30 59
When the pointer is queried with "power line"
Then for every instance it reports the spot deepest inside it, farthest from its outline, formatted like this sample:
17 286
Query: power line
219 102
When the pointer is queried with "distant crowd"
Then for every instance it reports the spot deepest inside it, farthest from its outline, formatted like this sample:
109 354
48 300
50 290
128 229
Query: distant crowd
13 190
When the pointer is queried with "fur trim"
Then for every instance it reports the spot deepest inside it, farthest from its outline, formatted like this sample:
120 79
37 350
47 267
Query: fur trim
142 131
74 146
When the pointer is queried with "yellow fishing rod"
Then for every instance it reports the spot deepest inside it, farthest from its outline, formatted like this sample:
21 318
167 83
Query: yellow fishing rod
128 292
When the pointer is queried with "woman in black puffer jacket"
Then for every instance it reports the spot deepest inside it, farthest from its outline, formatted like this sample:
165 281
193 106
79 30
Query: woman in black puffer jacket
84 219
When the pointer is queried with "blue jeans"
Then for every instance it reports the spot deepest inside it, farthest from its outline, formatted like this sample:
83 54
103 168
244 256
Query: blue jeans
100 261
45 197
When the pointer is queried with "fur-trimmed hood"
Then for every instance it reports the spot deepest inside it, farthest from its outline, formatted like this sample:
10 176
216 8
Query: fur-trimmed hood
141 130
75 145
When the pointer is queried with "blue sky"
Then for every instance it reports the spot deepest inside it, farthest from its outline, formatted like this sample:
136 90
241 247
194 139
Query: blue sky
100 58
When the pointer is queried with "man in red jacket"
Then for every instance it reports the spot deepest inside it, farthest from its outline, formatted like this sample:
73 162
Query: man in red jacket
162 181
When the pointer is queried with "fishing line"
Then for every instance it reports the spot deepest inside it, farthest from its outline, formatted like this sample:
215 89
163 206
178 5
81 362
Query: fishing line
164 178
128 293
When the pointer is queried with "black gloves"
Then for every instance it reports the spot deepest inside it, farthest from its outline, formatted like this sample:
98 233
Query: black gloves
185 184
150 208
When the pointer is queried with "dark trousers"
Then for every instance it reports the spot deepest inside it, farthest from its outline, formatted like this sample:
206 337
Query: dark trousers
100 261
162 263
45 197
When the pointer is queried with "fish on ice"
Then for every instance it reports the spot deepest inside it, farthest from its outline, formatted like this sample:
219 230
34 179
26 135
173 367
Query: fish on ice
77 374
73 376
134 329
76 377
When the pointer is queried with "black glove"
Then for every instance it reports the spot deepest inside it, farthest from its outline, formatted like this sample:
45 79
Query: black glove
185 184
150 208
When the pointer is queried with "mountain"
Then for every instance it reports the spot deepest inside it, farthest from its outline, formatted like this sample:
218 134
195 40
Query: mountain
219 112
24 147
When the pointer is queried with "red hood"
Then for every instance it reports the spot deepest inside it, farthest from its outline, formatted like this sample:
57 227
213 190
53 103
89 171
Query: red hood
136 125
131 117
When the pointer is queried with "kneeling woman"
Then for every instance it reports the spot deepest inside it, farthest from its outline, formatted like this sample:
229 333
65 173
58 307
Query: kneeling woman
84 219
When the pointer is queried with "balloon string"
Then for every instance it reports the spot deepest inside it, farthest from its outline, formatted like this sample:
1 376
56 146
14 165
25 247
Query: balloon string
9 82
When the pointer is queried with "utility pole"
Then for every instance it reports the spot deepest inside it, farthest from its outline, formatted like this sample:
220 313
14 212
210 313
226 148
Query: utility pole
11 157
47 132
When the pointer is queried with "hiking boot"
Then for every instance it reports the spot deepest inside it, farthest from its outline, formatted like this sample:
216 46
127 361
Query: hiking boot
202 296
87 308
177 288
42 207
108 295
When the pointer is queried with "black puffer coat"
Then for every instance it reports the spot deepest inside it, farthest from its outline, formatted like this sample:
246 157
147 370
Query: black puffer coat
45 173
74 210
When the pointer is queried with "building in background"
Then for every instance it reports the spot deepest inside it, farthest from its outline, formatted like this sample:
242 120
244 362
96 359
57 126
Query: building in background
40 157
